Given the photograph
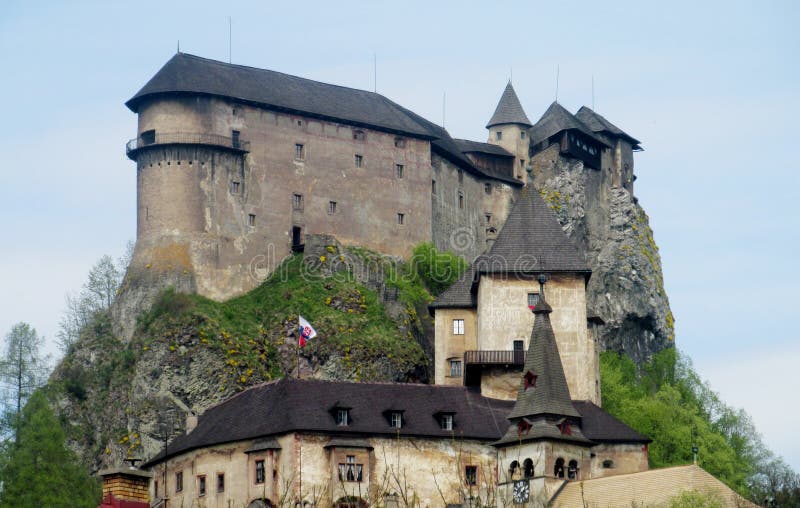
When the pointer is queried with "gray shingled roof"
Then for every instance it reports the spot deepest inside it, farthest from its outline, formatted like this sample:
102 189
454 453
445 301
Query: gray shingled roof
468 146
291 405
557 119
185 73
601 427
459 295
509 109
532 241
550 395
598 123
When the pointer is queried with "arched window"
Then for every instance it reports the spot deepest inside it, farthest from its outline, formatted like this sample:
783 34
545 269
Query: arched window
558 470
527 468
513 470
572 470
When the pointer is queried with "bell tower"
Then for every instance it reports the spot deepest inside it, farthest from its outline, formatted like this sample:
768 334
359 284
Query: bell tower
508 128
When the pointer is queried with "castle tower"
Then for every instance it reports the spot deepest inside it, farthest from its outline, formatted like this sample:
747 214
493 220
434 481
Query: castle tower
620 157
482 322
508 128
545 444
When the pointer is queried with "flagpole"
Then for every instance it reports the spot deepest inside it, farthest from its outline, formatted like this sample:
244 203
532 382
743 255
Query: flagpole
297 349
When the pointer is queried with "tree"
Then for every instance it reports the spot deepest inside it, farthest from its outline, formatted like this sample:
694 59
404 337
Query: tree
104 280
41 470
22 370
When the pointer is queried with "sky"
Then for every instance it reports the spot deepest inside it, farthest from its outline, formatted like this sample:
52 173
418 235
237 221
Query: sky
712 89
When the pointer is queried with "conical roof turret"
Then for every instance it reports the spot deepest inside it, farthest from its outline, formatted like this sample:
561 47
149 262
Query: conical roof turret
509 110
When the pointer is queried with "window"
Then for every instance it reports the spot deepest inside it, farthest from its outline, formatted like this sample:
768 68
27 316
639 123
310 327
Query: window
235 143
399 142
488 219
260 471
458 327
297 201
471 475
235 187
558 469
251 220
446 422
399 170
342 417
498 135
572 470
401 217
299 152
530 380
155 488
513 469
331 207
201 485
350 471
527 468
565 428
455 368
522 163
608 464
179 481
396 419
460 199
487 188
220 482
522 135
533 300
148 137
433 186
358 135
523 427
359 160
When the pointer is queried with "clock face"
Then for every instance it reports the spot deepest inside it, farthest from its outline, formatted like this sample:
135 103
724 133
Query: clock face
522 491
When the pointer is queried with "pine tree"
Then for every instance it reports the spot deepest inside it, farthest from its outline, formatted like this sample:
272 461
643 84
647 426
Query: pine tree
40 469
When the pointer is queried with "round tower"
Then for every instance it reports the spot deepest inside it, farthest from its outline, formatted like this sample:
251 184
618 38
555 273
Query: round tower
508 128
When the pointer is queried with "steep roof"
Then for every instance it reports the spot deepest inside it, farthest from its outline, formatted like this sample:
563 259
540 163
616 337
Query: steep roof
647 488
549 394
532 241
509 109
557 119
185 73
601 427
291 405
468 146
598 123
459 295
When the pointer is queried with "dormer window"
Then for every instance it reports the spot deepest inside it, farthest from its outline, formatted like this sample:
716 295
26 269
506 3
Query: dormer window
530 380
396 419
565 428
342 416
523 427
445 420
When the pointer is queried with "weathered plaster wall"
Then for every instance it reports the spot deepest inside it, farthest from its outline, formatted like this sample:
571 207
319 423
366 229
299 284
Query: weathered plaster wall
452 346
625 458
503 317
514 138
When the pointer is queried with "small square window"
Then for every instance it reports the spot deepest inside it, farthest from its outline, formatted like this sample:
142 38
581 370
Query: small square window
251 220
458 327
399 169
260 475
487 188
498 135
397 419
522 135
331 207
299 152
235 186
297 201
179 481
455 368
220 482
488 219
471 475
342 417
401 218
399 142
358 135
201 485
446 422
359 160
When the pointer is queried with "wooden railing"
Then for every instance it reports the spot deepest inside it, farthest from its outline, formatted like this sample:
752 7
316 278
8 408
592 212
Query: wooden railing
494 357
185 138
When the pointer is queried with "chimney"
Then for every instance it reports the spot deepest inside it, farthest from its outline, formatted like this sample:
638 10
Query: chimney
191 422
129 487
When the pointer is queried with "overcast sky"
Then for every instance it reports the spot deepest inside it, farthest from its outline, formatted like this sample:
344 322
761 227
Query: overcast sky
710 88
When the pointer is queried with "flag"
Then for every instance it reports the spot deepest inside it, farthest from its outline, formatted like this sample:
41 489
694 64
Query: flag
307 332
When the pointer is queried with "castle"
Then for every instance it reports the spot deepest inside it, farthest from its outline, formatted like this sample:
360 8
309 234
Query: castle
237 165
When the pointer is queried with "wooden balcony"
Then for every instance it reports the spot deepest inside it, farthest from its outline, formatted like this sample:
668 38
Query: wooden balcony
494 357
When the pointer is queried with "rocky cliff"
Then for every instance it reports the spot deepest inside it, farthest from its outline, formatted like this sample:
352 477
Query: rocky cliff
626 289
